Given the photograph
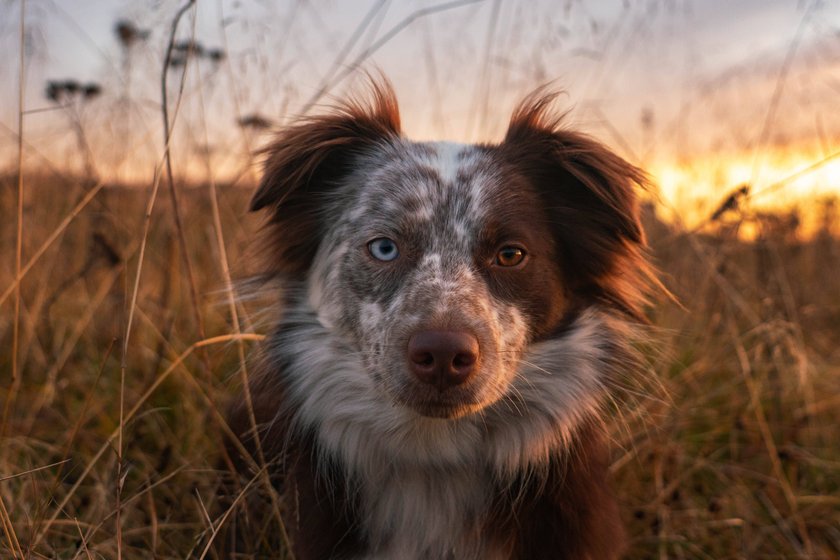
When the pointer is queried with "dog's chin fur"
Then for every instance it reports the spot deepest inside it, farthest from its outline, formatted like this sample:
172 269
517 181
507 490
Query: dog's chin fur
508 463
442 411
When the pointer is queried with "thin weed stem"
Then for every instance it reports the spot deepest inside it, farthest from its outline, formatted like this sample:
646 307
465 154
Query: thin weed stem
16 374
167 156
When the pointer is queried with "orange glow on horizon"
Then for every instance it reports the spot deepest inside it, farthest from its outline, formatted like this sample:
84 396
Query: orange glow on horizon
691 191
688 190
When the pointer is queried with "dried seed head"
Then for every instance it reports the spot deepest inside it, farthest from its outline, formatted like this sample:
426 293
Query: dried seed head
128 34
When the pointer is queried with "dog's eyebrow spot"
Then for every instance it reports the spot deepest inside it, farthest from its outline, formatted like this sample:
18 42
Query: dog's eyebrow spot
389 204
418 208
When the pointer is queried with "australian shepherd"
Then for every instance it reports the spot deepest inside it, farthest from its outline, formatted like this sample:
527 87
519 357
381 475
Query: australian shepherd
452 319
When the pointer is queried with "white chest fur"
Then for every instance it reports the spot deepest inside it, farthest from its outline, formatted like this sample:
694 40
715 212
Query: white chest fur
417 514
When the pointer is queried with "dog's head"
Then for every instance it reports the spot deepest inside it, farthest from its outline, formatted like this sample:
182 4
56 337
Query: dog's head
440 263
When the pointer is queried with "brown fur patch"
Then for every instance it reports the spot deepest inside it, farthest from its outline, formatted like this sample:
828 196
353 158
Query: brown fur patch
570 514
591 197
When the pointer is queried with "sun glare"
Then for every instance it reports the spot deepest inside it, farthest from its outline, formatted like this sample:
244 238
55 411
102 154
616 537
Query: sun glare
785 180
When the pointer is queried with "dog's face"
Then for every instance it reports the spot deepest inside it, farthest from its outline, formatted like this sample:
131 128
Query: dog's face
440 267
440 263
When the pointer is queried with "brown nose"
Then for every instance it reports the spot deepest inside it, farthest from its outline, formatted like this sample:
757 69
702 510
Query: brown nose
443 358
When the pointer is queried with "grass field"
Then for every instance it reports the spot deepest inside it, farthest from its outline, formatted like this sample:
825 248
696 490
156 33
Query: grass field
735 456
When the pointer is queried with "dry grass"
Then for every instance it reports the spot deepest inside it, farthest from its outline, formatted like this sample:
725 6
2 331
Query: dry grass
739 461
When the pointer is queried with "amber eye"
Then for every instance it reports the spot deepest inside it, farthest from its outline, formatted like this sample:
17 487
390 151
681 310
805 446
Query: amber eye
510 256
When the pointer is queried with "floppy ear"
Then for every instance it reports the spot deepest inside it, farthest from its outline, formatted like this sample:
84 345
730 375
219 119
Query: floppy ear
591 199
304 167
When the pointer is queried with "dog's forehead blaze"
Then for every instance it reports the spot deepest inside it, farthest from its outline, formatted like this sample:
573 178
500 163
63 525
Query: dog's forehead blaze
452 188
455 162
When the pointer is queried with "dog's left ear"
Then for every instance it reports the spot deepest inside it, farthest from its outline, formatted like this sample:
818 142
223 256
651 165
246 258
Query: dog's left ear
591 199
305 166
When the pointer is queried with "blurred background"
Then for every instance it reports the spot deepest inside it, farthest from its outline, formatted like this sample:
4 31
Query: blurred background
705 95
124 333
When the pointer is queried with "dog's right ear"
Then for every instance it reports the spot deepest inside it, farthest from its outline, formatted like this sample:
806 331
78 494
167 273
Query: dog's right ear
304 167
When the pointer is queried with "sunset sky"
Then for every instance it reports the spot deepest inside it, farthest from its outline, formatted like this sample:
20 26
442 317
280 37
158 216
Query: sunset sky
705 94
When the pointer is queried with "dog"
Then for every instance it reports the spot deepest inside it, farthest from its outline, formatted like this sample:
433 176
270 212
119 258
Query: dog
452 320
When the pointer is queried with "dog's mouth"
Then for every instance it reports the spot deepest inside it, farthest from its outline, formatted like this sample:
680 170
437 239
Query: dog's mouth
446 411
449 404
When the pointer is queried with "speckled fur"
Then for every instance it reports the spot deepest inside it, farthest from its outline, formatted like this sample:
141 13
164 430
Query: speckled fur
415 473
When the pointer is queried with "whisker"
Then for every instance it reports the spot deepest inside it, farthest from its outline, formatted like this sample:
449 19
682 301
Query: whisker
535 366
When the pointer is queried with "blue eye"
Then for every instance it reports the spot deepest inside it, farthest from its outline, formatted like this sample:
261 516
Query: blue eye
383 249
